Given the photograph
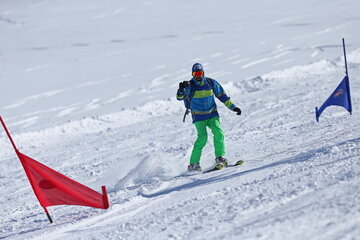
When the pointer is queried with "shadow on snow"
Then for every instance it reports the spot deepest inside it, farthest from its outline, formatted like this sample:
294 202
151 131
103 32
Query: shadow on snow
302 157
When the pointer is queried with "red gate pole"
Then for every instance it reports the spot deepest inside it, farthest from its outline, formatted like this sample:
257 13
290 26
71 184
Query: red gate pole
8 134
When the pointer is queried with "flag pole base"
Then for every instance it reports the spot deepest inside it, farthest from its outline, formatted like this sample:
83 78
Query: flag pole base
317 114
48 215
105 197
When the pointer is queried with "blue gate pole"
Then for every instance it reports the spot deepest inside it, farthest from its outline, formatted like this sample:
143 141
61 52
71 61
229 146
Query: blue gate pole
347 75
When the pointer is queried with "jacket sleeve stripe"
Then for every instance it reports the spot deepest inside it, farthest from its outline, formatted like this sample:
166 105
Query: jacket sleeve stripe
229 104
180 95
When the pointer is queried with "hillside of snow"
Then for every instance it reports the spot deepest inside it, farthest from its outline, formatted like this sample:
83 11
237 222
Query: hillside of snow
88 89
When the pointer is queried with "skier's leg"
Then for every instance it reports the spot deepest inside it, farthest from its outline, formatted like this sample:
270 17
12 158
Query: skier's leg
219 144
200 141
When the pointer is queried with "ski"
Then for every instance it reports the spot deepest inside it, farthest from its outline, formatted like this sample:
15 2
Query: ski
220 166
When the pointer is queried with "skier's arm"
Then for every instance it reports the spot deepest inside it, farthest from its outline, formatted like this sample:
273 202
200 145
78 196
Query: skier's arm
221 95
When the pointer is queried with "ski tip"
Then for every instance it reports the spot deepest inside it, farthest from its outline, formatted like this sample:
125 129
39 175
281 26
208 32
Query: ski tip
216 168
239 162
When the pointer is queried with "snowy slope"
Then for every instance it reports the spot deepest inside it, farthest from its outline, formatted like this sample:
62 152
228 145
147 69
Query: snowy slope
88 88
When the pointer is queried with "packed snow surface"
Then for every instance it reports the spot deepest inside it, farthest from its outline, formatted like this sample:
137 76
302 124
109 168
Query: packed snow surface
88 89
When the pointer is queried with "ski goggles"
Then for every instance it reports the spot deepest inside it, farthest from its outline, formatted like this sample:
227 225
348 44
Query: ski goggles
198 74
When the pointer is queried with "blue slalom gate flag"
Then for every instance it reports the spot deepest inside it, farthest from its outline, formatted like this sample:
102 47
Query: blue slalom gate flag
340 97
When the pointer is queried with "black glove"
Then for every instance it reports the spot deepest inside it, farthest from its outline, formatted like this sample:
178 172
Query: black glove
237 110
183 85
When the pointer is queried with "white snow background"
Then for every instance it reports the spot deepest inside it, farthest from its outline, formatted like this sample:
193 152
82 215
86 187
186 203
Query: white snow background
88 89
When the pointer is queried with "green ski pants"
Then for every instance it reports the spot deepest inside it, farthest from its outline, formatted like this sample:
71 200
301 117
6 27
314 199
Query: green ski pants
202 136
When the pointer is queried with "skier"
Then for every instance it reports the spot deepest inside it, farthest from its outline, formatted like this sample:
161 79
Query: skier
198 95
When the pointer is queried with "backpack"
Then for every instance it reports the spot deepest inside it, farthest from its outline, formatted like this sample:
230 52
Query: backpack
187 100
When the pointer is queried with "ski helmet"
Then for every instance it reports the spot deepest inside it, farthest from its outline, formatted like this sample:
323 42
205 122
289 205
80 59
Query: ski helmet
197 67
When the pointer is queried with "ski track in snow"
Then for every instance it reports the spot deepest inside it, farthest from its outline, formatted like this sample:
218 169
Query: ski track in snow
300 179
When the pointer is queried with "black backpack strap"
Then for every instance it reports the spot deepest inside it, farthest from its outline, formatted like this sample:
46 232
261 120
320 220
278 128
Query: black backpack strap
192 89
188 98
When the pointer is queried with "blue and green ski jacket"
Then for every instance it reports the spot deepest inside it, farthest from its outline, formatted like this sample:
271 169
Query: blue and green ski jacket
202 104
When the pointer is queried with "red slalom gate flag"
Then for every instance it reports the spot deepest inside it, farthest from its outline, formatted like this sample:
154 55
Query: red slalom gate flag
53 188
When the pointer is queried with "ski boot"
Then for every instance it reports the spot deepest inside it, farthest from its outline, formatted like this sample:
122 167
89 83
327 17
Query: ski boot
222 161
194 167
